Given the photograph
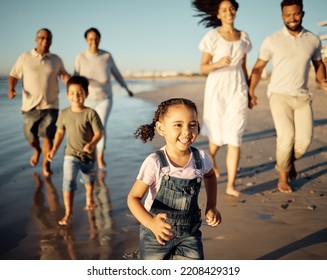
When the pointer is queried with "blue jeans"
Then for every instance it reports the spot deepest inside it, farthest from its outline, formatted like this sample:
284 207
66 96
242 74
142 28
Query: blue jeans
183 245
72 166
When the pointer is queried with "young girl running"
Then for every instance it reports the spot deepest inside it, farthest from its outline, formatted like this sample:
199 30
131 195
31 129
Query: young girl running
170 217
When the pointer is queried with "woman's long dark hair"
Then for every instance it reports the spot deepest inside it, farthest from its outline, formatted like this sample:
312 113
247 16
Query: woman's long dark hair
208 9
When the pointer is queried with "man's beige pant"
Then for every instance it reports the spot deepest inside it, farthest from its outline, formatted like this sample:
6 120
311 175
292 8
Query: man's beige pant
293 119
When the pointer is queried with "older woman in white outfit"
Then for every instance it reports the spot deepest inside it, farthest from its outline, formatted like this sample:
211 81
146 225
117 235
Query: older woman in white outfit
98 65
224 50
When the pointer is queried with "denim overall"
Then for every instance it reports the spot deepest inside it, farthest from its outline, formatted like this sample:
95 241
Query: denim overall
179 199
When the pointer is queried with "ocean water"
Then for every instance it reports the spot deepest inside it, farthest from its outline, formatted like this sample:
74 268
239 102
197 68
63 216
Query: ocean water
31 205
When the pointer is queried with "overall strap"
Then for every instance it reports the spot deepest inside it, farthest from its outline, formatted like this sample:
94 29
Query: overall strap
162 158
164 163
197 158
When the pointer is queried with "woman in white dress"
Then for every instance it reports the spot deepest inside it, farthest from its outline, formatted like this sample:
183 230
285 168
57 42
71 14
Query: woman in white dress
224 50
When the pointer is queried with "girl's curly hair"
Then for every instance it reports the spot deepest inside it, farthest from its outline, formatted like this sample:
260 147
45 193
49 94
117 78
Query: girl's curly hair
147 131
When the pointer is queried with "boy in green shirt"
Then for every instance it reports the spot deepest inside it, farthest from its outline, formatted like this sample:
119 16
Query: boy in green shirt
84 130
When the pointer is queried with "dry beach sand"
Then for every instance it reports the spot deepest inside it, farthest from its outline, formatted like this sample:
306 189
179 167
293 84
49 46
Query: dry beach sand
261 224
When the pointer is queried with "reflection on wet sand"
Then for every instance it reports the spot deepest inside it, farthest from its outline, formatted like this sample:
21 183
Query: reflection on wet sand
45 217
100 220
103 220
72 242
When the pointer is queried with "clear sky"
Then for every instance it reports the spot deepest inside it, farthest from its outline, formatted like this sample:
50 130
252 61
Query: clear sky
142 35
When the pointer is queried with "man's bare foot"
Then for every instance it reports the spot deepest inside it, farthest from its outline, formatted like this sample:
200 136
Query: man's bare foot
65 220
283 187
232 192
46 169
35 157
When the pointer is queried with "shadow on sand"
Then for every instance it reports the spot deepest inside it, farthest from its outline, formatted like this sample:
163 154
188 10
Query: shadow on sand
312 239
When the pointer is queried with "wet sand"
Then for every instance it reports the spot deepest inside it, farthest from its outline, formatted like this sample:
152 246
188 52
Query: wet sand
261 224
31 205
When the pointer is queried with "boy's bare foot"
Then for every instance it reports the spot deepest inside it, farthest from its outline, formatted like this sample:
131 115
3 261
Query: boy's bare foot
65 220
232 192
90 206
35 157
283 187
46 169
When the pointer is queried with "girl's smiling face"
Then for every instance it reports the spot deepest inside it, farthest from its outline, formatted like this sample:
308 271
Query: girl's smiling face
179 126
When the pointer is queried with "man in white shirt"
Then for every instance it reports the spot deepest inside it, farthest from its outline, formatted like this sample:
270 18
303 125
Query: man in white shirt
291 50
39 69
